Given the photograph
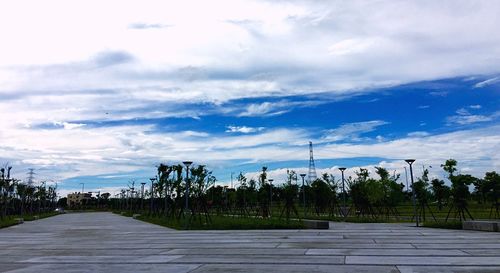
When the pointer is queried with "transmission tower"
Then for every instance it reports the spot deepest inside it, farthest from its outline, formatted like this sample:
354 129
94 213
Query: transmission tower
31 175
312 169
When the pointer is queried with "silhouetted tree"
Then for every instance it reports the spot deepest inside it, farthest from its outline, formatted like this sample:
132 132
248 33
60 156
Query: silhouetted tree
492 181
441 192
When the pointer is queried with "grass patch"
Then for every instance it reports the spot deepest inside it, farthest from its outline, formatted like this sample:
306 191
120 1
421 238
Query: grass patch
10 220
7 222
222 223
40 216
445 225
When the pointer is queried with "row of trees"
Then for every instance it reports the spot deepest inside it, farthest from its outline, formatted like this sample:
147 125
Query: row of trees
18 198
177 192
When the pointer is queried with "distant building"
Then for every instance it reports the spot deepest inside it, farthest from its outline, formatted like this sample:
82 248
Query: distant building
78 199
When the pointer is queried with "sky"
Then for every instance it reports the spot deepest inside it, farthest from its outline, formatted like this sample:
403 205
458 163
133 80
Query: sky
101 92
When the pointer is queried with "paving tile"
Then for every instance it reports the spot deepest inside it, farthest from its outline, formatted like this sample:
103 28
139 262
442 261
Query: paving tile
341 245
104 242
236 251
103 259
260 259
449 269
297 268
111 268
422 260
485 252
388 252
458 245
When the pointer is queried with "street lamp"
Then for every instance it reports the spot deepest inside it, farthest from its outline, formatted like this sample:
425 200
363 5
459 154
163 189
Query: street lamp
342 169
406 176
142 195
187 164
410 162
152 194
303 175
270 195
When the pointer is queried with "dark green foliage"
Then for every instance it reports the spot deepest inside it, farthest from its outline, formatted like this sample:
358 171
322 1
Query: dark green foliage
450 166
492 185
289 193
460 193
440 191
322 195
392 191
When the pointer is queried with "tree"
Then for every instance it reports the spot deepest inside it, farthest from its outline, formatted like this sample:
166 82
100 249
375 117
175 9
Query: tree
460 193
322 195
329 179
492 181
480 190
363 192
289 192
422 194
441 192
241 200
450 166
264 194
392 191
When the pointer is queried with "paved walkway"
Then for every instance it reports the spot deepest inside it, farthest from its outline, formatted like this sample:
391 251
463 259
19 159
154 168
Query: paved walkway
104 242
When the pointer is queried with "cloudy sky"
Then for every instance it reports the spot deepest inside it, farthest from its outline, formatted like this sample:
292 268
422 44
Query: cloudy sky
99 92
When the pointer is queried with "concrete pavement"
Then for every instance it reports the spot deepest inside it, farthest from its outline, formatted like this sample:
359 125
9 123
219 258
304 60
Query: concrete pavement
104 242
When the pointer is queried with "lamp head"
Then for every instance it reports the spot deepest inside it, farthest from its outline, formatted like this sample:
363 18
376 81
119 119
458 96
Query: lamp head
303 175
410 161
187 163
342 169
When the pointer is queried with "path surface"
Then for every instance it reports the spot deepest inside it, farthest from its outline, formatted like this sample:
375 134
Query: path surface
104 242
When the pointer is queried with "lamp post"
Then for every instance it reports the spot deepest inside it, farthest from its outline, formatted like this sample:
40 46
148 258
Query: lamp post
410 162
187 164
342 169
83 187
142 195
152 195
303 175
270 195
406 176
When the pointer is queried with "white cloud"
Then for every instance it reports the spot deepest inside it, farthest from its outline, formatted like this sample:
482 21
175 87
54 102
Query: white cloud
262 109
464 117
467 119
154 60
290 48
487 82
68 125
243 129
418 134
475 106
352 131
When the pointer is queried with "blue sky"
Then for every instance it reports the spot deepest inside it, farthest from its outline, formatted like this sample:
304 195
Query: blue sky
102 102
